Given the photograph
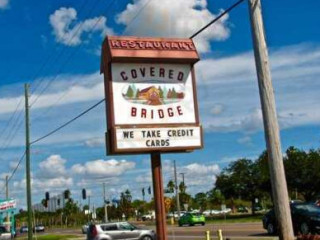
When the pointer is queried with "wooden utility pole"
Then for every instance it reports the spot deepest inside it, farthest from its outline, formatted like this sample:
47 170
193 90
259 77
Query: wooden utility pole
7 196
28 175
177 188
272 135
105 204
158 196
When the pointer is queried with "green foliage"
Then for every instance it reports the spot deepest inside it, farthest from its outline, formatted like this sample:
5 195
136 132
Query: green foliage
302 171
170 187
130 93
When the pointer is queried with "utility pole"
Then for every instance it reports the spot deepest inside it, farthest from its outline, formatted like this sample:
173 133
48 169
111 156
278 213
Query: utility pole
7 196
88 208
184 186
28 175
176 187
271 128
105 204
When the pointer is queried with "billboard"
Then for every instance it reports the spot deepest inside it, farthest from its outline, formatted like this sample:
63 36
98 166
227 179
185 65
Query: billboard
150 95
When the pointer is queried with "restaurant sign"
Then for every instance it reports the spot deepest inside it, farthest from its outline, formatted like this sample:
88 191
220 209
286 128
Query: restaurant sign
150 95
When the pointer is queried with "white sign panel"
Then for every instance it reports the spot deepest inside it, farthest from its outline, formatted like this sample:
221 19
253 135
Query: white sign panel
137 138
152 94
5 205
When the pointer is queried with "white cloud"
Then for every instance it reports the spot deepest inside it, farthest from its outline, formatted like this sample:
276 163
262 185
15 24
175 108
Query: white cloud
144 178
95 142
103 168
52 167
246 140
89 87
179 18
4 4
232 82
69 31
41 185
217 109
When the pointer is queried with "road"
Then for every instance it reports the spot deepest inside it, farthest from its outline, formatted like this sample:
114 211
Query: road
230 230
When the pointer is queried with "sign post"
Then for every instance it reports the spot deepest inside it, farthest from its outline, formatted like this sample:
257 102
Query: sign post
151 102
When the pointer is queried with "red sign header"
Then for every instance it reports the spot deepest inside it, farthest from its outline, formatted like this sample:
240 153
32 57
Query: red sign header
137 49
153 45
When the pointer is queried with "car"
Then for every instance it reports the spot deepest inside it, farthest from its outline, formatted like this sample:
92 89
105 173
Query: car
118 230
305 219
24 229
147 217
242 209
84 228
192 219
38 228
4 233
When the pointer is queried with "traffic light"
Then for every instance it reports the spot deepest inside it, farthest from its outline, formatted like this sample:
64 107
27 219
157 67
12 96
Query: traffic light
47 196
66 194
58 201
84 194
149 190
143 194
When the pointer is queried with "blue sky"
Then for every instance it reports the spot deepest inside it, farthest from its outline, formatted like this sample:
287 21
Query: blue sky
55 46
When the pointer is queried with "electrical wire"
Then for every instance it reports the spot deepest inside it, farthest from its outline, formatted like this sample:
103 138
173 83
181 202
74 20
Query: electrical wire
67 123
75 81
135 17
16 168
11 118
72 54
229 9
52 54
101 101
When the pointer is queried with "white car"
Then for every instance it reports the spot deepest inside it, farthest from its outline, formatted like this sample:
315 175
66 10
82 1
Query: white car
38 228
119 231
84 228
4 234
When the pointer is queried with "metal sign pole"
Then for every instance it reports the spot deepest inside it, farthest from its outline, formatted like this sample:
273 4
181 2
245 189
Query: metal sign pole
161 224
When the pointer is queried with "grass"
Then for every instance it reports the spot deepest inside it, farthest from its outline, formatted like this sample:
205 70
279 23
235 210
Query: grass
53 237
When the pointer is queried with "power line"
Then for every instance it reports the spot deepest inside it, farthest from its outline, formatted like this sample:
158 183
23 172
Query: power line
51 55
16 168
74 82
67 123
95 105
101 101
11 118
217 18
72 54
138 13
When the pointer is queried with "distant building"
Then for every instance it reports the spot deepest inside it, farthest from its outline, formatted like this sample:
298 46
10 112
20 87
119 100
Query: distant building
54 203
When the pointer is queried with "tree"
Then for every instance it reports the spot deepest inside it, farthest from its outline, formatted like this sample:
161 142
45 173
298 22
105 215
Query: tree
126 204
215 197
170 187
241 179
201 200
302 171
129 93
160 92
137 93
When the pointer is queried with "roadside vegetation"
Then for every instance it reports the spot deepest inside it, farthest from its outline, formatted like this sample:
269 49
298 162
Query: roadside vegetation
243 187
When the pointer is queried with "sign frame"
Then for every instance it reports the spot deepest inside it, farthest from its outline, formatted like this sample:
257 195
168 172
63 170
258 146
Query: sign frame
121 52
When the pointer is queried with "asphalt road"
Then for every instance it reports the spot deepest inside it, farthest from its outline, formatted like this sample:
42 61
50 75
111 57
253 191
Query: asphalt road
230 230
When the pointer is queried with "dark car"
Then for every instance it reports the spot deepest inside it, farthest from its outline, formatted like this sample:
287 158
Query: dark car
305 219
